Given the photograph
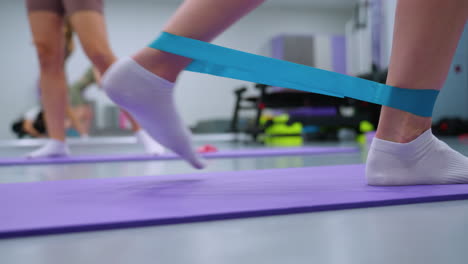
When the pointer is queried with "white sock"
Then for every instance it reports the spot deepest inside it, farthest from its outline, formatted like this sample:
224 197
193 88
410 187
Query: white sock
150 100
53 148
425 160
151 146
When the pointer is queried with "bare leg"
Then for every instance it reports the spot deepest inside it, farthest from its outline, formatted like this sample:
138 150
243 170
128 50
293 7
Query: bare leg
198 19
425 39
404 151
48 37
75 121
47 30
91 29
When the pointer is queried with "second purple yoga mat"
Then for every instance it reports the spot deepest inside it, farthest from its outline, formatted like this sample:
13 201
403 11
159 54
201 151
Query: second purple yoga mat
243 153
95 204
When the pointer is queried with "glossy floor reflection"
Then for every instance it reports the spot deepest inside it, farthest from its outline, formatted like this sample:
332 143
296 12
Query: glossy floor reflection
141 168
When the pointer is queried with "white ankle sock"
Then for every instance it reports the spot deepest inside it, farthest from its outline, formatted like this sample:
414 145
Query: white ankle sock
151 146
53 148
150 100
425 160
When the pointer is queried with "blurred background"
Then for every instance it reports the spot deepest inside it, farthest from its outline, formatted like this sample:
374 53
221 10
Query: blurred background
347 36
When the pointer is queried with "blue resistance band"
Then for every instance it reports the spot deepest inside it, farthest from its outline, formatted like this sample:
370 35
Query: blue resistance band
230 63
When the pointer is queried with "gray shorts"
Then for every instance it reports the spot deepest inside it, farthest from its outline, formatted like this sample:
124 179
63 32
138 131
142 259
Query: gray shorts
65 7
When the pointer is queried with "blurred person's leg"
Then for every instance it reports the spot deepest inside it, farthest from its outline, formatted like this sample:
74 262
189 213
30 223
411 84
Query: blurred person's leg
46 23
88 21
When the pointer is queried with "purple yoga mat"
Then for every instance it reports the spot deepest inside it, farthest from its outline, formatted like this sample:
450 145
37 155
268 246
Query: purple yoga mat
94 204
244 153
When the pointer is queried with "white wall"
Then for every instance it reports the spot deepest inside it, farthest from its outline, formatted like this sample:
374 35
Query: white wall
18 70
388 13
452 100
132 25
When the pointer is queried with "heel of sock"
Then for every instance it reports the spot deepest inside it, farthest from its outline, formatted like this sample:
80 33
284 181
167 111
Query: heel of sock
114 79
374 174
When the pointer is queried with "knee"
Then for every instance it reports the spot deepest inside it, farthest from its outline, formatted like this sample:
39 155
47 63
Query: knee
50 58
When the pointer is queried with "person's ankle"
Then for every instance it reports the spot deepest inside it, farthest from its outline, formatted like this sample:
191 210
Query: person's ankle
165 65
401 127
403 134
60 139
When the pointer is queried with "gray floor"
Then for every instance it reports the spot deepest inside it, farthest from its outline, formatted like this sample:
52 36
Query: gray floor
422 233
